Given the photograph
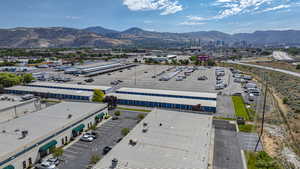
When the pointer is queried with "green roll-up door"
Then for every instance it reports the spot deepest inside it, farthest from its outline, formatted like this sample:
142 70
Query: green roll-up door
48 145
79 128
99 116
9 167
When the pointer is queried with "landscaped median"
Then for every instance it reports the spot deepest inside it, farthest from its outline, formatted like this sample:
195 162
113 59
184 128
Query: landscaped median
248 128
240 108
133 109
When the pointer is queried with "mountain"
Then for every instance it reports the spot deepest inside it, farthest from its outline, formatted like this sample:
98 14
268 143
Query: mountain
133 37
54 37
271 37
100 30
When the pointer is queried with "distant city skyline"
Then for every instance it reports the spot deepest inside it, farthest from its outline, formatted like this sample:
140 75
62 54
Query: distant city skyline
229 16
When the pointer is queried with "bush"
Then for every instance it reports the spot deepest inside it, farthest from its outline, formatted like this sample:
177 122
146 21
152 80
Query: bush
285 100
57 152
98 96
94 159
117 113
141 116
298 66
125 131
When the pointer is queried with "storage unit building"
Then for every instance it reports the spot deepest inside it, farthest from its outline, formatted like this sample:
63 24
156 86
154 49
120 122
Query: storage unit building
69 86
168 93
25 140
166 102
50 92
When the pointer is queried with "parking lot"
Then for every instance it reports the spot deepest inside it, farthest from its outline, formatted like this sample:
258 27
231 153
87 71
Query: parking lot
227 151
78 155
142 77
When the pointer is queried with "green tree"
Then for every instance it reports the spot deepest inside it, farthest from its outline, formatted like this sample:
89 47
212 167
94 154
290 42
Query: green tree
141 116
98 96
125 131
57 152
298 66
211 62
94 159
117 113
27 78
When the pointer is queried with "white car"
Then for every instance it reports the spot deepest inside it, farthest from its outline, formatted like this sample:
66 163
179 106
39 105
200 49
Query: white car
86 138
46 165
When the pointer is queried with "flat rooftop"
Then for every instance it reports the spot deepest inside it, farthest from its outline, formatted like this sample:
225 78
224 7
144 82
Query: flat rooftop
183 141
67 85
51 90
209 103
91 65
41 124
169 92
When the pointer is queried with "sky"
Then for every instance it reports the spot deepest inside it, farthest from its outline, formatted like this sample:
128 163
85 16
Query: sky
230 16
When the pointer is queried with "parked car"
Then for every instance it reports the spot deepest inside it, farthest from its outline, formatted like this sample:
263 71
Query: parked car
202 78
90 135
53 160
115 118
89 80
45 165
86 138
106 149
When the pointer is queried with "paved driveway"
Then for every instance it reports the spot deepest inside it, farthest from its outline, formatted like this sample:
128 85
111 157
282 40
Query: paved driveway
78 155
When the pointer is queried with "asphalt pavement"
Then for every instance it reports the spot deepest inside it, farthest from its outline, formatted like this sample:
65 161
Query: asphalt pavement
78 155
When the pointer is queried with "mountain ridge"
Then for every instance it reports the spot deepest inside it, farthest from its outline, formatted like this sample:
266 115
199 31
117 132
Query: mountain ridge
97 36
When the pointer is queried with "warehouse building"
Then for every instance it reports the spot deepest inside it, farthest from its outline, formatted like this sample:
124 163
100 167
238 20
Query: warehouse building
67 86
168 93
26 140
164 140
51 93
166 102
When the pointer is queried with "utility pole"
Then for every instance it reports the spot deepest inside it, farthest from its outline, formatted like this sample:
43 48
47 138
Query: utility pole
263 116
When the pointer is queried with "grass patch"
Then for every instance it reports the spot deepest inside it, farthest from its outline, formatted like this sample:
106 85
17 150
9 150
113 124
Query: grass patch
239 107
130 109
224 118
261 160
248 128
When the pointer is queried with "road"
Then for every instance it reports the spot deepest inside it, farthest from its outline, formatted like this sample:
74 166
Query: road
267 68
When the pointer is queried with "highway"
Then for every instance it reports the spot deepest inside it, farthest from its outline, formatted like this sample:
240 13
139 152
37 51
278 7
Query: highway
268 68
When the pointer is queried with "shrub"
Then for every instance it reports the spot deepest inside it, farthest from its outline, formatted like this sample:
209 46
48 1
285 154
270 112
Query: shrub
285 100
141 116
117 113
94 159
125 131
57 152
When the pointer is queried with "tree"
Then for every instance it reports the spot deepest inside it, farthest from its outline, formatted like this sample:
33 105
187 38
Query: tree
111 101
117 113
57 152
125 131
94 159
298 66
27 78
211 62
98 96
141 116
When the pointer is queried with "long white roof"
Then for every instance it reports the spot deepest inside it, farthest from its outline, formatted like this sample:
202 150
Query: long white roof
67 85
169 92
173 100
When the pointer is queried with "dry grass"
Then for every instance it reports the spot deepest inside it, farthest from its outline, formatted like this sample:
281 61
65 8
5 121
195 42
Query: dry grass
279 65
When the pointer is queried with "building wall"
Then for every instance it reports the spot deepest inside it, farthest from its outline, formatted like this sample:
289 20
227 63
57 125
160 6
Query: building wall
164 105
66 88
166 95
49 95
58 135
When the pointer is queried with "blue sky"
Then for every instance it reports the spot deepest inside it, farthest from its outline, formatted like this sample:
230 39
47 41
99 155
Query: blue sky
231 16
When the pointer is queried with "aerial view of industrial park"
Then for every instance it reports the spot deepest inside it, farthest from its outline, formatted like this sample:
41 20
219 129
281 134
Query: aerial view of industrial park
172 84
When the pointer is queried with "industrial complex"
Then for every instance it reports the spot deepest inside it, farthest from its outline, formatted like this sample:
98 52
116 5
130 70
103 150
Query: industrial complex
27 139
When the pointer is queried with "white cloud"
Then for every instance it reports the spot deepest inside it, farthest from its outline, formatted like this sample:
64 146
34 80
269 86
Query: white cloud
166 6
191 23
235 7
73 17
276 8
